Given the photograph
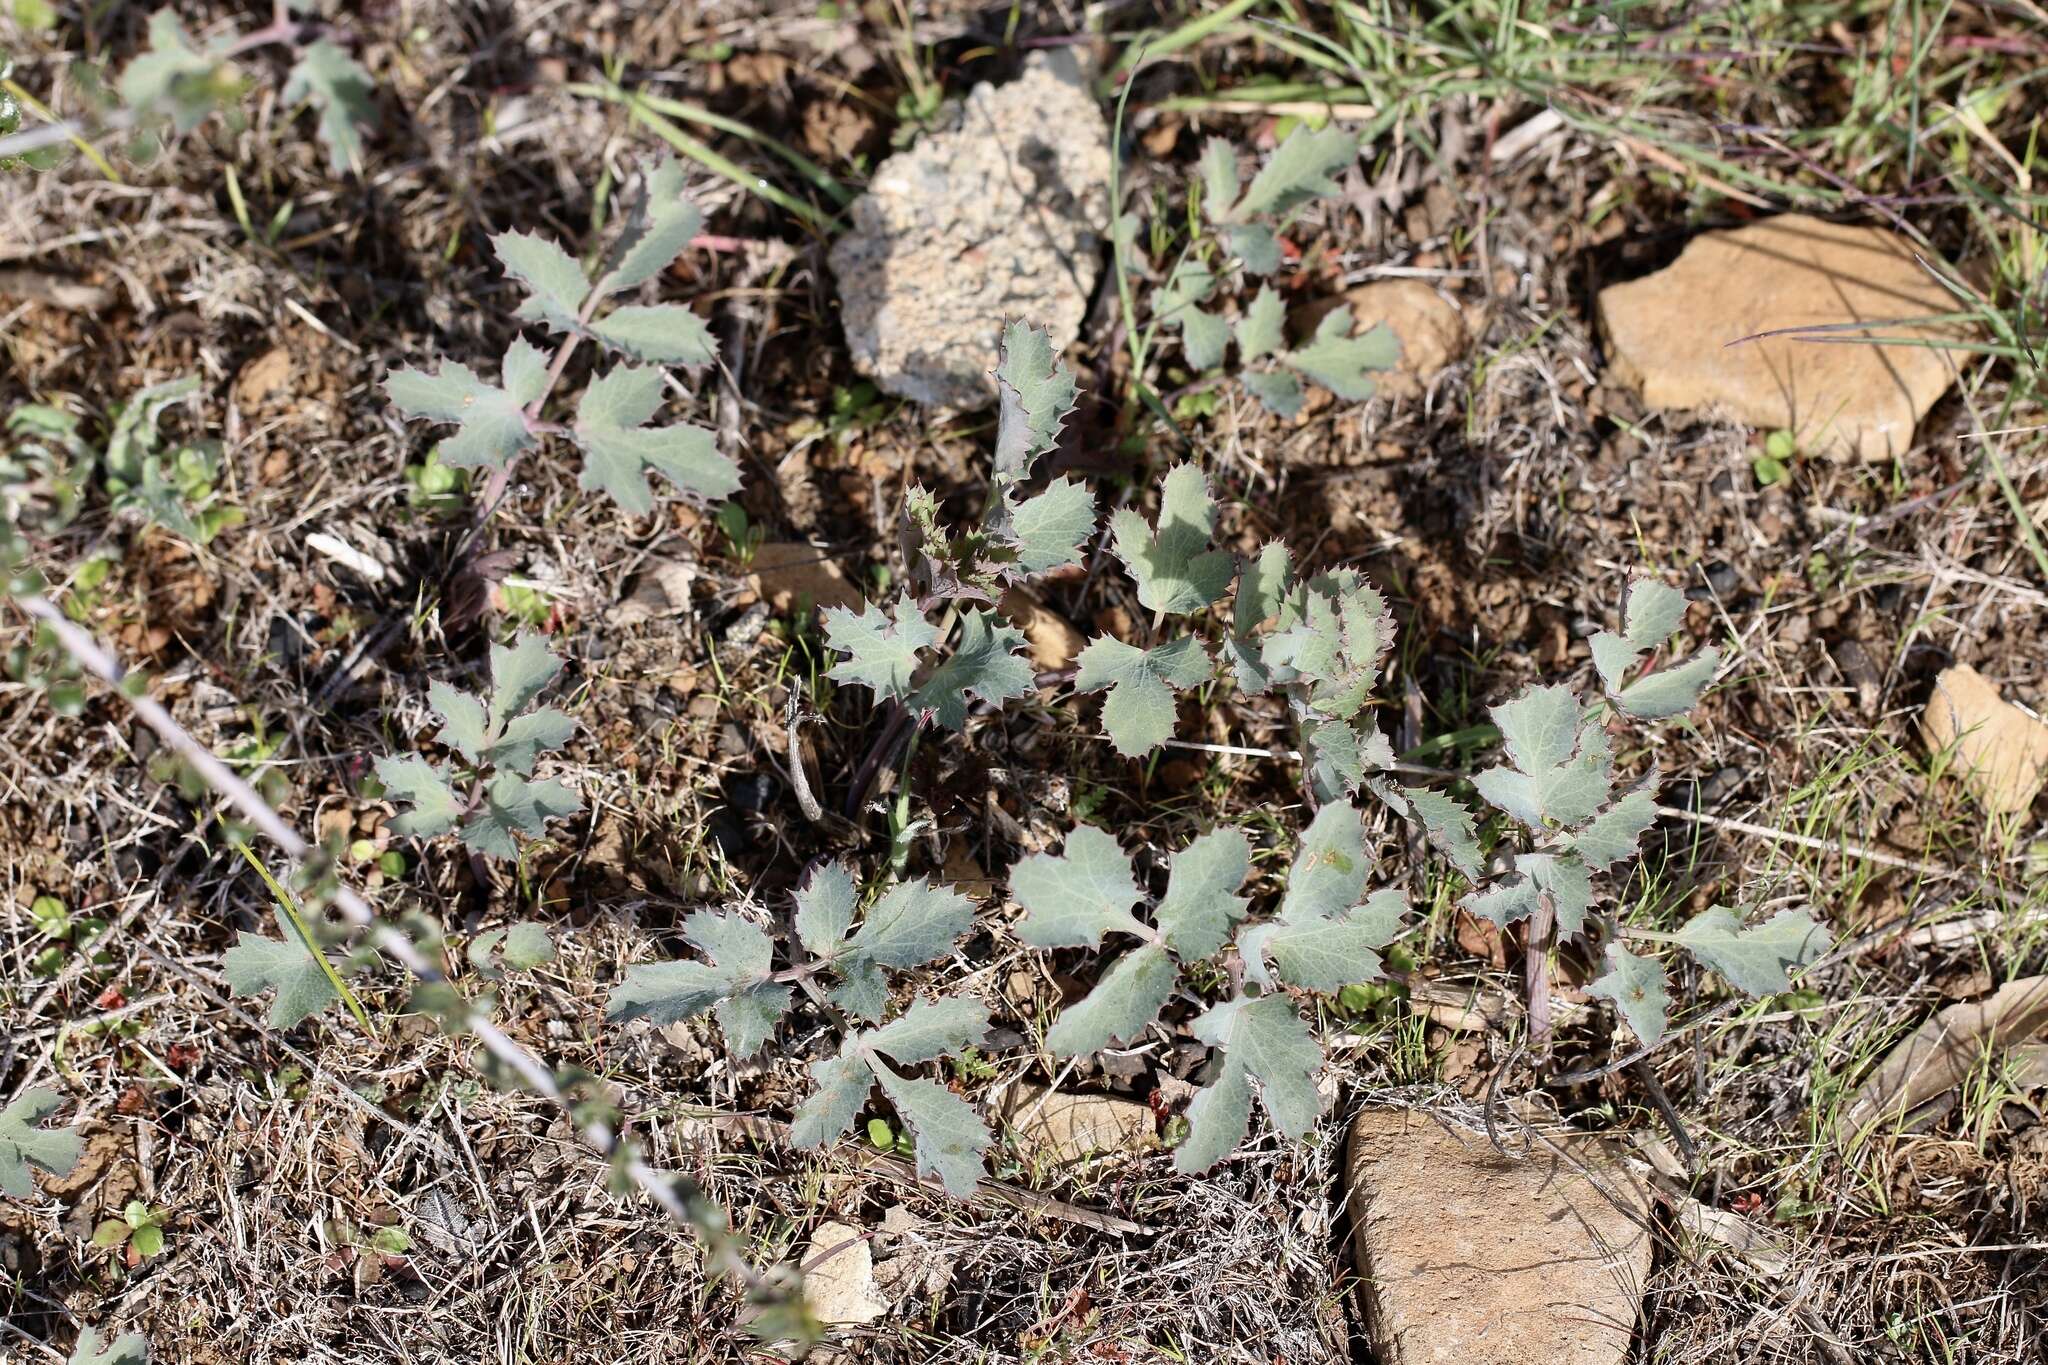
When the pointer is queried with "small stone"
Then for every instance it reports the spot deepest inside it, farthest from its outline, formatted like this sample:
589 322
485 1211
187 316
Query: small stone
1001 217
1429 327
2000 751
262 377
1465 1255
840 1289
789 573
1668 334
1070 1127
1049 638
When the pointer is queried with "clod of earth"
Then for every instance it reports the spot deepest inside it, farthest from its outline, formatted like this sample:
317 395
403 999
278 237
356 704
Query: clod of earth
1001 217
1466 1255
1429 327
789 573
839 1277
1061 1127
2000 751
1843 391
1049 637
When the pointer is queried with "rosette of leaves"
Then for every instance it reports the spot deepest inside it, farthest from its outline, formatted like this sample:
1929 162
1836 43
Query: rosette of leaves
1238 237
1330 637
490 797
908 925
895 652
1326 936
497 422
1558 788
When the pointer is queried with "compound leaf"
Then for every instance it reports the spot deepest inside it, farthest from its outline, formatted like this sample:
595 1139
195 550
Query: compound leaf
1201 901
23 1144
1128 997
257 964
1756 959
1341 362
1050 527
1037 392
1139 713
436 809
341 90
1562 773
1174 567
1299 170
950 1138
881 649
555 284
665 332
1636 986
663 225
1072 900
930 1029
618 447
514 805
989 663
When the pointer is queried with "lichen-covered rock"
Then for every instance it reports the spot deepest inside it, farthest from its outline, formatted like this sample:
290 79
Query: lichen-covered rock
1668 334
1465 1255
1001 217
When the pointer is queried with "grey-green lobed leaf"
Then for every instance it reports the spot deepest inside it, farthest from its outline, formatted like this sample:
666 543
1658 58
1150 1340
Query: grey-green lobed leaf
1669 691
1201 903
173 79
1173 565
988 663
1636 986
662 332
1204 337
24 1144
1562 773
1277 391
949 1136
1299 170
1263 1039
619 447
1330 866
882 650
1755 959
1261 589
520 672
738 958
930 1029
435 807
1037 392
1256 246
1614 833
1450 827
1050 527
825 905
842 1083
661 228
1655 612
1562 878
1139 711
1072 900
1261 331
257 964
491 420
555 284
342 92
1326 954
129 1348
513 805
1127 998
1219 179
1341 362
912 923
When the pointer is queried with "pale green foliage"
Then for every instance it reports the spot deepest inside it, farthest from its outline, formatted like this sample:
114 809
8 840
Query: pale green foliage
910 924
23 1144
1636 986
1655 613
1173 564
342 92
1322 940
881 648
518 947
174 79
500 742
611 428
286 964
127 1349
1755 959
1138 713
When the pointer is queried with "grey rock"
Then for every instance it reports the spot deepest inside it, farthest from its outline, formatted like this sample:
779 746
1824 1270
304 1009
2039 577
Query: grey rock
1001 218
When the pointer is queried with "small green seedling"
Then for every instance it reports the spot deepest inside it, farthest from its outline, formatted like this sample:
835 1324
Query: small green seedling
137 1234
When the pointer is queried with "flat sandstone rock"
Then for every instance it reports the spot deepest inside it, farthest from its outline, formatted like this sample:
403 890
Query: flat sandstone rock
999 219
1668 334
2000 751
1466 1256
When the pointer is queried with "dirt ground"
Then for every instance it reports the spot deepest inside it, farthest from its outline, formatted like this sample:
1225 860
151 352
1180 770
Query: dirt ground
1501 510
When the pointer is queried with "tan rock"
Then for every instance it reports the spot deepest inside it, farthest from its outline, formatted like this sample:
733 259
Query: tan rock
788 573
2000 751
839 1277
1668 334
1049 637
262 377
1429 327
1465 1255
1066 1127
